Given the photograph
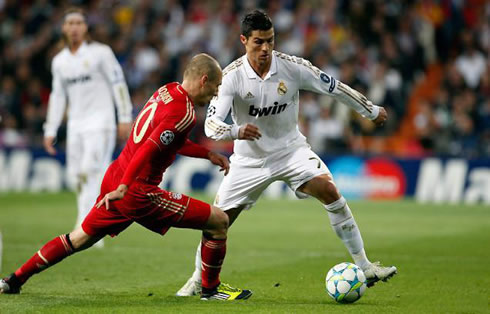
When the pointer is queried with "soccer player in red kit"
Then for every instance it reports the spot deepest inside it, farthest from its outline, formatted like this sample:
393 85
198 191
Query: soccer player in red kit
130 192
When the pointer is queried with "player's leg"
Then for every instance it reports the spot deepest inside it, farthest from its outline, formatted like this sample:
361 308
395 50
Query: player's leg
324 189
167 209
213 250
74 150
239 190
98 147
50 254
193 284
96 225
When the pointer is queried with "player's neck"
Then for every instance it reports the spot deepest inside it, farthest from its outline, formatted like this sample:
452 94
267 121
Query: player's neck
260 69
74 46
189 89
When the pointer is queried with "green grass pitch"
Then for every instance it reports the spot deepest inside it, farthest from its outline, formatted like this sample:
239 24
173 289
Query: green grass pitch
281 250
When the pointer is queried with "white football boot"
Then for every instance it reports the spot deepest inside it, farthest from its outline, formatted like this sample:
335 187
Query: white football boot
375 272
191 287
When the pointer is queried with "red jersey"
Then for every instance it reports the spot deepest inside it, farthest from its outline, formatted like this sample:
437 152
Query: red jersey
159 132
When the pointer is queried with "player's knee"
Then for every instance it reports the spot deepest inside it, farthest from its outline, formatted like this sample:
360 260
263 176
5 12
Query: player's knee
328 192
218 224
79 239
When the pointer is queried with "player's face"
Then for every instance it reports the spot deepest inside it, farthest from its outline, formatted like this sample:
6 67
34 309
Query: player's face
209 90
259 46
75 28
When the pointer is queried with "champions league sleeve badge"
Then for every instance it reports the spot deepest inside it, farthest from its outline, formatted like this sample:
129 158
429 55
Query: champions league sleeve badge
167 137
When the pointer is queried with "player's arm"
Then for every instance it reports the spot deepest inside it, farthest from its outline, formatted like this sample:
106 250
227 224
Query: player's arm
313 79
218 110
56 110
115 76
195 150
151 149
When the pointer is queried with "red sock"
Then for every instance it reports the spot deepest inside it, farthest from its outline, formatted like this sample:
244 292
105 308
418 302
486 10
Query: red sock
50 254
212 255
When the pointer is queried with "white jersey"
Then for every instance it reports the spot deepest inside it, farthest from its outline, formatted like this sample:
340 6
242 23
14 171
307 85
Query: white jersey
272 103
89 81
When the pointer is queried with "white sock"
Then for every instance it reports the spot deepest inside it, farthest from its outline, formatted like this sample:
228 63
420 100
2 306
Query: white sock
198 264
345 227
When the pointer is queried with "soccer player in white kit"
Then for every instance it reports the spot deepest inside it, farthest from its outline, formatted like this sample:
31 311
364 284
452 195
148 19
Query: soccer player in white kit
87 77
262 91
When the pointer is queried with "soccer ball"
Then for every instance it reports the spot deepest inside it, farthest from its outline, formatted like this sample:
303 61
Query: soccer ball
345 282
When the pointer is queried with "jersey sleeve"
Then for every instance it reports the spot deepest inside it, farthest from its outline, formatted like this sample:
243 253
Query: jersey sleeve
192 149
218 110
171 130
57 103
313 79
113 72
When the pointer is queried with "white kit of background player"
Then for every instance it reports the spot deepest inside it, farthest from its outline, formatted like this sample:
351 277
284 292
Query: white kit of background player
90 82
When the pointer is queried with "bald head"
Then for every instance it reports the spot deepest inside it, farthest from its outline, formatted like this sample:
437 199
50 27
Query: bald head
202 77
202 64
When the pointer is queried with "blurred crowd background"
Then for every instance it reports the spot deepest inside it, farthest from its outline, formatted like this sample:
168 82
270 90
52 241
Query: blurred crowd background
426 61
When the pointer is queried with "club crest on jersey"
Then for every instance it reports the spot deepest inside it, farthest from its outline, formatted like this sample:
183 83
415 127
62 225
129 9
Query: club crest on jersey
167 137
282 89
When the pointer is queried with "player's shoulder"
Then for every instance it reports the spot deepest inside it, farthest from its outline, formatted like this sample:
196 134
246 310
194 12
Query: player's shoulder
62 54
232 69
290 60
172 91
173 97
294 62
99 47
60 59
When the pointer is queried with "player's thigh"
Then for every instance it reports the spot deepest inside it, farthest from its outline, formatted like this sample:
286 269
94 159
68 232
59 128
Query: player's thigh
301 166
98 147
162 209
242 187
321 187
100 221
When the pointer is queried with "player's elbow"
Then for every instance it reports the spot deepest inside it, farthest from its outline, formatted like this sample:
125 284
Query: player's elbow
210 131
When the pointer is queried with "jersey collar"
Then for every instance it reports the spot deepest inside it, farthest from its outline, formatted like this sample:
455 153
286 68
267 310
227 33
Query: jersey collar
80 50
251 73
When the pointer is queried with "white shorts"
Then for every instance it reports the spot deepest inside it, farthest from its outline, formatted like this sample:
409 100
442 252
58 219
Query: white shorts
249 177
89 152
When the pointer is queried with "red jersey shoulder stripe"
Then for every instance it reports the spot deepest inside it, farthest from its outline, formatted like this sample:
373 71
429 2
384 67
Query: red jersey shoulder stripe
188 118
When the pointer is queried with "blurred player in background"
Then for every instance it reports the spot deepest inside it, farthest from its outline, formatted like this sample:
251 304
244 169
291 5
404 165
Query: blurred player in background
87 76
262 90
131 183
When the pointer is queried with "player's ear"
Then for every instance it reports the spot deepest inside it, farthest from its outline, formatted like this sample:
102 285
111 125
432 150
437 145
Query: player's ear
243 39
204 80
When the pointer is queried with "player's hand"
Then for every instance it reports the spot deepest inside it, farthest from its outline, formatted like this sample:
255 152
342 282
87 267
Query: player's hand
115 195
123 130
381 118
249 132
220 160
49 144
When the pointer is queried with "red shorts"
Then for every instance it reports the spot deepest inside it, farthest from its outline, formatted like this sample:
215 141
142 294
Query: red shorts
148 205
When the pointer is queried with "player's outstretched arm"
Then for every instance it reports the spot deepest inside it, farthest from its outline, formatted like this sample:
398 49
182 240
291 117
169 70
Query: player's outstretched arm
381 118
313 79
195 150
